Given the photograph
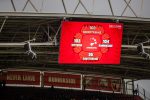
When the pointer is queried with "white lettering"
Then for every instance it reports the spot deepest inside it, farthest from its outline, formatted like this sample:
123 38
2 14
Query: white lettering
91 47
92 27
13 77
90 58
61 80
105 41
92 32
115 26
77 41
28 78
90 54
76 45
105 45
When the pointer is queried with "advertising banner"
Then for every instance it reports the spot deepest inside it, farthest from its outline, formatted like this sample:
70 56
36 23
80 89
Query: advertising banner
101 83
62 80
90 43
22 78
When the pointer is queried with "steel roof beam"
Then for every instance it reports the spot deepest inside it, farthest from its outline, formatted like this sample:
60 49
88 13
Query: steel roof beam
52 44
21 44
35 15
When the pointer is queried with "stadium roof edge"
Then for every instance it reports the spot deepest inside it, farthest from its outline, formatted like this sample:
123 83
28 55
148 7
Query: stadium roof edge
26 14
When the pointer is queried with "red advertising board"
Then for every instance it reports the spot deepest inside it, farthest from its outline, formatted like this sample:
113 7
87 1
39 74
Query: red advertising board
90 43
22 78
62 80
101 83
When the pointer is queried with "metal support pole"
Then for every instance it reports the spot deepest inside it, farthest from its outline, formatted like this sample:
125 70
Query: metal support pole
33 6
134 39
83 6
133 87
144 94
3 25
12 2
126 88
64 6
28 1
123 86
25 5
133 90
55 37
42 79
125 8
111 7
130 8
144 42
76 7
138 89
30 40
48 33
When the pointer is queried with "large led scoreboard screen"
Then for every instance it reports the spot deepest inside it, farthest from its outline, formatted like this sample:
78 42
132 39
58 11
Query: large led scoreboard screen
90 43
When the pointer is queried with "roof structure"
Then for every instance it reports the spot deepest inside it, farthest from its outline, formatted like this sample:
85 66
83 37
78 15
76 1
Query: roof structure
41 19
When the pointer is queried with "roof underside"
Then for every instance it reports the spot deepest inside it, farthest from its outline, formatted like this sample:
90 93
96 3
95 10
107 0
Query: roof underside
16 30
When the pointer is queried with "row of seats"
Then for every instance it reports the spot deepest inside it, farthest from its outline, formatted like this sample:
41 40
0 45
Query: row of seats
31 93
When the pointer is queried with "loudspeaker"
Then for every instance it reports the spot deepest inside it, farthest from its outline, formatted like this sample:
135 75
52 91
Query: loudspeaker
140 48
27 46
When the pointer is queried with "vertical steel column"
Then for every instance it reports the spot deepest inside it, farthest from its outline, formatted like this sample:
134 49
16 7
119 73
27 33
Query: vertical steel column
138 89
123 86
55 37
144 94
64 6
13 5
42 79
133 88
111 7
3 25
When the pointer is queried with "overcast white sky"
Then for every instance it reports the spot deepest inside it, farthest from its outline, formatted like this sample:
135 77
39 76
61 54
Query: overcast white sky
144 84
96 7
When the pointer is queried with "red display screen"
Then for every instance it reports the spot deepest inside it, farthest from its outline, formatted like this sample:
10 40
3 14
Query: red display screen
90 43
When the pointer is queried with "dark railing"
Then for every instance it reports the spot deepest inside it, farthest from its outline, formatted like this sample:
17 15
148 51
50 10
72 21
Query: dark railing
31 93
